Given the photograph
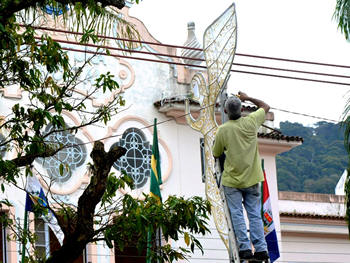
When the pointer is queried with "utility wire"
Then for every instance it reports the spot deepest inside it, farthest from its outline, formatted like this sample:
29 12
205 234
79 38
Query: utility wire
312 116
299 61
190 48
197 59
298 113
160 61
204 67
171 119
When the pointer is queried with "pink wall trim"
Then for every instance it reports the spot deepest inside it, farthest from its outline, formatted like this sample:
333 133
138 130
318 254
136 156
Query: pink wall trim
11 249
273 147
112 257
123 74
8 94
92 253
31 227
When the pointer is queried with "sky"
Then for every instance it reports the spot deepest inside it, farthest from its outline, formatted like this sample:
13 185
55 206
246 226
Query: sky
290 29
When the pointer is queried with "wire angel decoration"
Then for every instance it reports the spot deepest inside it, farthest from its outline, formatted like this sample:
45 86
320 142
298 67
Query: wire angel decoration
219 45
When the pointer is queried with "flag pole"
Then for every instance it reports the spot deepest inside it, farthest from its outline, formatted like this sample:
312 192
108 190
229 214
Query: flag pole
155 181
25 229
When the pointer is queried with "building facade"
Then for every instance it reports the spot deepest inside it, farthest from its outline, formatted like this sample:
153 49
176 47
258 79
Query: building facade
154 84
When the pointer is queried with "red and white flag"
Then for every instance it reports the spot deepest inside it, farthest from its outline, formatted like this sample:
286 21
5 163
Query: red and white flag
269 226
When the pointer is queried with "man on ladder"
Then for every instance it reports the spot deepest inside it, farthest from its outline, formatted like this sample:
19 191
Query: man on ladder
237 138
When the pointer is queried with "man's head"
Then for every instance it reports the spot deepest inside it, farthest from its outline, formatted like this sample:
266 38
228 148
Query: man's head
233 107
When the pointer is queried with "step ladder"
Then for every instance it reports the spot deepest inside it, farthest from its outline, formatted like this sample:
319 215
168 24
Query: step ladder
233 246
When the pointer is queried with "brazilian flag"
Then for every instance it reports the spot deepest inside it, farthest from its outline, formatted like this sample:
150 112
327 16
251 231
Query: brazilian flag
156 175
156 180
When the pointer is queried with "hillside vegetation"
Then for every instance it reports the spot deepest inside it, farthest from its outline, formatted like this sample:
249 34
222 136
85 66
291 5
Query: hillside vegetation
317 164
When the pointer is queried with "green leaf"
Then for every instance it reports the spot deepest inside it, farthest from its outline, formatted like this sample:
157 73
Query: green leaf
61 169
187 239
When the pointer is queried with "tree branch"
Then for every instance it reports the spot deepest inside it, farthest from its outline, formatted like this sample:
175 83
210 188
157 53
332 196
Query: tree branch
29 159
10 7
93 193
80 231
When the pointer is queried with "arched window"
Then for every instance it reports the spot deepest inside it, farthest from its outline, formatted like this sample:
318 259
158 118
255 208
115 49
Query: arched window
71 156
137 160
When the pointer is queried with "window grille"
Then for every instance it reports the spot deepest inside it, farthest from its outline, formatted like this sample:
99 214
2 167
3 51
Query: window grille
137 160
71 157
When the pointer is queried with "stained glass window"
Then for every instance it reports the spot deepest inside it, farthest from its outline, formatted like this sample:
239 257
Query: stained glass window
71 156
137 160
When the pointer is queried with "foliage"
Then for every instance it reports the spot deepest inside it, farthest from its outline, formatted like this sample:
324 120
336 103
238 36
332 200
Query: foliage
342 15
175 217
29 62
317 164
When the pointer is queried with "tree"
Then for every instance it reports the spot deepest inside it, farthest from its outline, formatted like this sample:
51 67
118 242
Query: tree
342 15
29 62
319 159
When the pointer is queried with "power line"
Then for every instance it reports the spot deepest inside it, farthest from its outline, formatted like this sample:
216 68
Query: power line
171 119
298 113
294 61
192 48
198 66
160 61
199 59
307 115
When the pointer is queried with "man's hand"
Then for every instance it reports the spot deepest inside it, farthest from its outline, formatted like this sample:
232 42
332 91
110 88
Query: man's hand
243 96
258 103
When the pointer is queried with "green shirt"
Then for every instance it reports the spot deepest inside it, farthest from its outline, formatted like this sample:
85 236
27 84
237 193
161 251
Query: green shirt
238 140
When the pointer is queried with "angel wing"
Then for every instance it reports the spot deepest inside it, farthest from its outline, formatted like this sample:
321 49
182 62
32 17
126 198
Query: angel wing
219 42
219 46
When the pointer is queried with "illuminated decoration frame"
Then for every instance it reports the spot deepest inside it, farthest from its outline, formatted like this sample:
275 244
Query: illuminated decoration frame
219 45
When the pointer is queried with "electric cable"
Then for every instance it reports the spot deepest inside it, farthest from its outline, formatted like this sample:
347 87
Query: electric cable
190 48
195 59
204 67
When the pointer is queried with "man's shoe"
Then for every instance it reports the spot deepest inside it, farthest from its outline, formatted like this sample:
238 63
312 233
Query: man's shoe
262 255
245 254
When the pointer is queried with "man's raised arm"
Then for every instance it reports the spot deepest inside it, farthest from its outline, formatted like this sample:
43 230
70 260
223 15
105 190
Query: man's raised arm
259 103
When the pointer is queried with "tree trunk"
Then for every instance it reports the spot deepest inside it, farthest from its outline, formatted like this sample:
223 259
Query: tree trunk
79 232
